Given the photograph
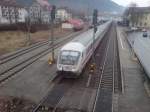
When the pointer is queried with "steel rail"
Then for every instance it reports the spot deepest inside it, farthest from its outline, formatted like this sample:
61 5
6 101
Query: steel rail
22 52
103 68
30 49
3 57
29 61
114 57
45 98
67 84
109 76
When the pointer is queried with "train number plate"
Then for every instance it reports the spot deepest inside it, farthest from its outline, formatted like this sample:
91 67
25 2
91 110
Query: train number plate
68 68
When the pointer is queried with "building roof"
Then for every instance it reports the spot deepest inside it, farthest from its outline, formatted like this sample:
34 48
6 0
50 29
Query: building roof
43 7
137 10
64 8
73 46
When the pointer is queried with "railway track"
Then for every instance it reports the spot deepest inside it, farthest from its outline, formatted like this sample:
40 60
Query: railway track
4 59
109 78
99 57
117 70
50 102
10 68
104 81
21 52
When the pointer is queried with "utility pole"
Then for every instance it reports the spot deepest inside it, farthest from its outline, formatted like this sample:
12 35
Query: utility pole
53 12
95 15
88 12
28 25
93 65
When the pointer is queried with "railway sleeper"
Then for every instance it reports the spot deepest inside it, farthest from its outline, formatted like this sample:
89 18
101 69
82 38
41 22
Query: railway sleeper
107 80
107 77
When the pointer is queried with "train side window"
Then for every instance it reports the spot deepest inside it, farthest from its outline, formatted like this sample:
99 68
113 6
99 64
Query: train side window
91 45
82 55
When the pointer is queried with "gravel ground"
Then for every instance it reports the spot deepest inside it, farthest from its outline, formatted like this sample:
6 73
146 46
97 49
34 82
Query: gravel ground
11 104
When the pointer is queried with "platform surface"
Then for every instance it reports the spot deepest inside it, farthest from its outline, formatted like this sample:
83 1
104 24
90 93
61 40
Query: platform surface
135 97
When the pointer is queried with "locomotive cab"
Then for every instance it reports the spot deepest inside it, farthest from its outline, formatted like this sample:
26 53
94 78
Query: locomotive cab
74 55
69 60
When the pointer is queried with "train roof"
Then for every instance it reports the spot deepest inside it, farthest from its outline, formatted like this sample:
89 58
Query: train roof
80 42
87 37
73 46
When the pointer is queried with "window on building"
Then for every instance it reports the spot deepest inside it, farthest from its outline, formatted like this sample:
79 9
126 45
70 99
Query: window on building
140 23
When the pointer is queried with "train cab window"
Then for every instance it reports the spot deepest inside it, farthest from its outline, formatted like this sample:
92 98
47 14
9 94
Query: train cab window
69 57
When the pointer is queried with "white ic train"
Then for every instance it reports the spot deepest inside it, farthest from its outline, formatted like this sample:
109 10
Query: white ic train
73 56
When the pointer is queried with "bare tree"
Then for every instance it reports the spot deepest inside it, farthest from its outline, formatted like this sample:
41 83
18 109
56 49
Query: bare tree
28 24
40 15
9 14
16 14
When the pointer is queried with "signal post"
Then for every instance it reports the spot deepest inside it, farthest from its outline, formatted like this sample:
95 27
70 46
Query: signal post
53 13
95 18
92 67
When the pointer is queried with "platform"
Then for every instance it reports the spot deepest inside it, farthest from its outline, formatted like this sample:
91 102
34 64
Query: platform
134 97
141 47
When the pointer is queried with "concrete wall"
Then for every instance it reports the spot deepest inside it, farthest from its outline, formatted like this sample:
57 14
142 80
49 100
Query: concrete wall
142 49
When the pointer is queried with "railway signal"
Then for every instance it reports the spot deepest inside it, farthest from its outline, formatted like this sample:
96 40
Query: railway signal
53 13
92 68
50 62
95 15
95 18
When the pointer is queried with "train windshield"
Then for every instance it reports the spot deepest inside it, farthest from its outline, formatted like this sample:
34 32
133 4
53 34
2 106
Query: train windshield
69 57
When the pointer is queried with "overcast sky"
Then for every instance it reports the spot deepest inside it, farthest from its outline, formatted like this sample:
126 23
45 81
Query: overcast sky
140 3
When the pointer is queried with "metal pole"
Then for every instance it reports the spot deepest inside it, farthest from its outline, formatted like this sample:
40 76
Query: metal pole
93 57
88 11
95 14
28 27
53 12
50 27
52 40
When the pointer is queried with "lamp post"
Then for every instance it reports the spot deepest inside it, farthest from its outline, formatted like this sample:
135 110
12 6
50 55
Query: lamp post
53 12
28 25
95 15
93 65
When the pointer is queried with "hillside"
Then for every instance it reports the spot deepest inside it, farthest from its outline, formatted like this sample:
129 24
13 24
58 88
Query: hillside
83 5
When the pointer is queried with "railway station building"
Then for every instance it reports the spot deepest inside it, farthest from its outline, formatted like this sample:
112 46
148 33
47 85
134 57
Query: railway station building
138 16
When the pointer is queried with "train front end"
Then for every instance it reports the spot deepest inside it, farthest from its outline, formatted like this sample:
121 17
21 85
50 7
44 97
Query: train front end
69 60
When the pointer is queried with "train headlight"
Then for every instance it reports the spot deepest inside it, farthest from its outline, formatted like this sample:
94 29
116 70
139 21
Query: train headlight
74 68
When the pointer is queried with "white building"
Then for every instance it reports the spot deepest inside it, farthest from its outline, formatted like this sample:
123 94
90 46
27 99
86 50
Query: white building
45 17
11 13
22 15
35 13
3 20
63 14
39 14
